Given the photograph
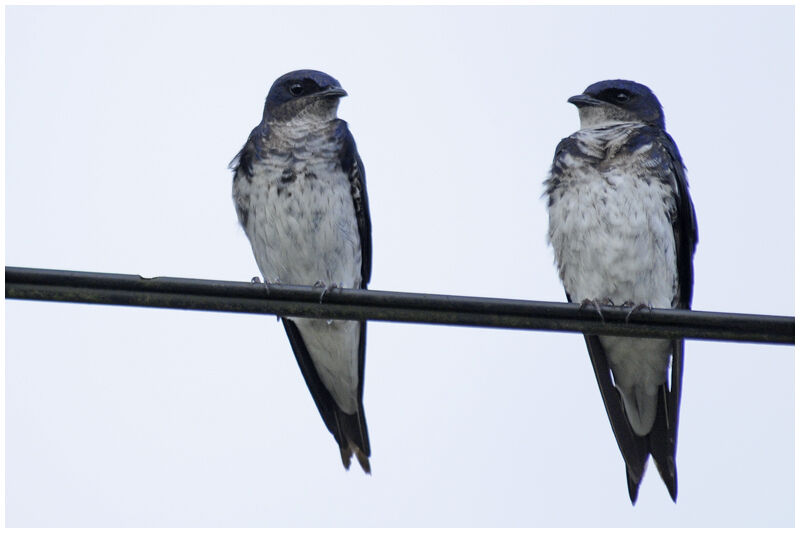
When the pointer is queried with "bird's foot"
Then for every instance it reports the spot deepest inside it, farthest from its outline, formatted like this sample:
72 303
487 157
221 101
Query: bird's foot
596 303
325 288
257 281
634 308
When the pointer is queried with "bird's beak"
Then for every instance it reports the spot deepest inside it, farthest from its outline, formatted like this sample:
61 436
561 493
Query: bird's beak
333 91
583 100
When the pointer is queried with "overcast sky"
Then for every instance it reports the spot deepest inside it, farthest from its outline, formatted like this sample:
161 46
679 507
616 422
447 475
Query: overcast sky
120 123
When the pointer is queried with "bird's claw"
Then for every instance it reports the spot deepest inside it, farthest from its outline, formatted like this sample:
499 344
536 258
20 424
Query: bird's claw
325 288
634 308
257 281
596 305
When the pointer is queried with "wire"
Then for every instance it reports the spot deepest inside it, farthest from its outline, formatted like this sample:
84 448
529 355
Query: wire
355 304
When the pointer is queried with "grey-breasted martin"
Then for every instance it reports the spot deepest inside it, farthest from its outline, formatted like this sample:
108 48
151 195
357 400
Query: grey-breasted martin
300 194
623 229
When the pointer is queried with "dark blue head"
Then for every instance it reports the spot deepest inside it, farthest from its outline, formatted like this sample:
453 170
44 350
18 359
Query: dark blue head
611 101
300 91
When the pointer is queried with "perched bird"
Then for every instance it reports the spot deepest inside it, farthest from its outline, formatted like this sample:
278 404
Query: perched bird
301 197
623 229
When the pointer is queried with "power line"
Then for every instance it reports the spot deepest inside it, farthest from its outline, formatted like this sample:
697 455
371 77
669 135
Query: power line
354 304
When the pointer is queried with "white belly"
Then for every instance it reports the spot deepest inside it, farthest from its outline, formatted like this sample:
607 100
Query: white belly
307 232
616 244
333 346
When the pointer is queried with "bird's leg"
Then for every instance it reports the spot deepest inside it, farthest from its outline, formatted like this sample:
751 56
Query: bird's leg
596 303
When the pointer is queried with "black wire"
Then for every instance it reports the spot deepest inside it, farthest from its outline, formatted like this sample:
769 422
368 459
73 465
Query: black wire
354 304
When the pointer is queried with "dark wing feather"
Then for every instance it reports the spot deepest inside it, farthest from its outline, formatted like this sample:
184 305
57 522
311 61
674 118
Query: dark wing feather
354 168
663 438
633 447
684 223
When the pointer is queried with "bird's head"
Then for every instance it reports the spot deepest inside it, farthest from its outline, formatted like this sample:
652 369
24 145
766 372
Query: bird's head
308 95
614 101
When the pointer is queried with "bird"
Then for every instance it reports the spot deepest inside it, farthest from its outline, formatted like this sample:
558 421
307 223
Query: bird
624 232
300 195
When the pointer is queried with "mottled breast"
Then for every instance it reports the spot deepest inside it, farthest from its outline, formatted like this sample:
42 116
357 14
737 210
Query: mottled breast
611 205
299 213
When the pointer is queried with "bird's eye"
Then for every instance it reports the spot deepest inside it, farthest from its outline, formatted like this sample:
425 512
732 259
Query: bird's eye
622 97
296 89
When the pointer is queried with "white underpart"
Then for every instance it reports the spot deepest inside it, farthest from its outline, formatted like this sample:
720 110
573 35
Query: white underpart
334 348
307 234
613 239
593 117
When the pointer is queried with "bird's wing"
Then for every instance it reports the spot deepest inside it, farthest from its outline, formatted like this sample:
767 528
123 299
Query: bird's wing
354 168
242 166
684 220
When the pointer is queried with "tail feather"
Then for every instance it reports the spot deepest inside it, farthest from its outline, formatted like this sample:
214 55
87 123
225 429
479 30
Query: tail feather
351 435
349 430
663 438
633 485
632 446
363 460
661 441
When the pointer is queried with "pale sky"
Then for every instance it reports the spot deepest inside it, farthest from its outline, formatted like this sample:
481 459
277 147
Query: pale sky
120 123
